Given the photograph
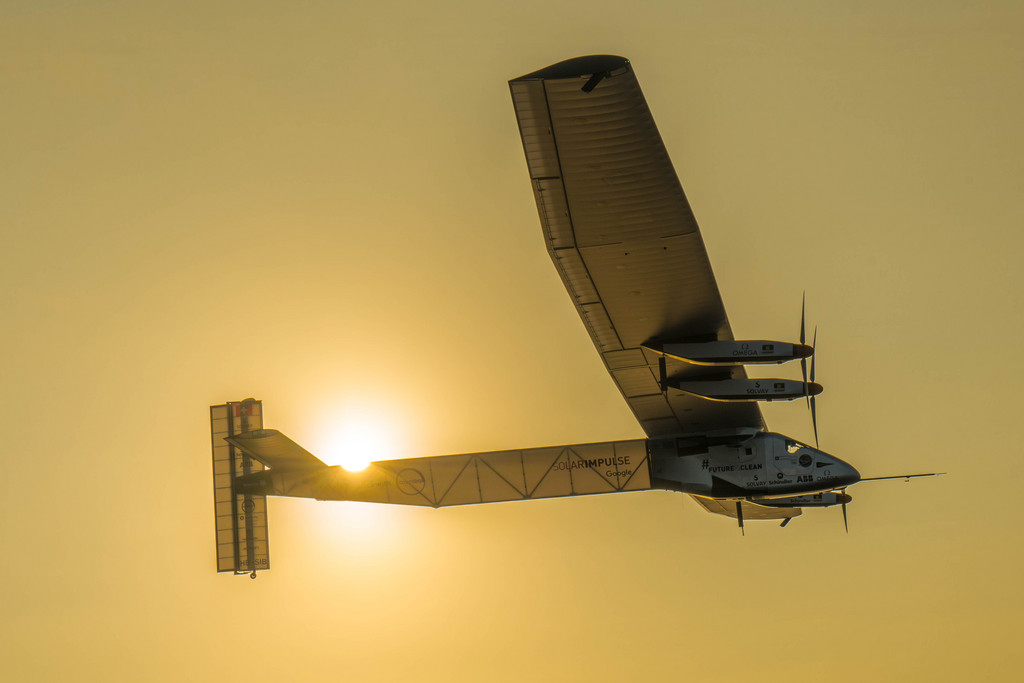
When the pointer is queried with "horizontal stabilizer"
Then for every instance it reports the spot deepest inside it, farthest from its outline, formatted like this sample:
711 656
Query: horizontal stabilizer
275 450
750 510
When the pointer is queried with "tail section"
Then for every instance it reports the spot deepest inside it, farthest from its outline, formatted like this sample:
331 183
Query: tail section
241 519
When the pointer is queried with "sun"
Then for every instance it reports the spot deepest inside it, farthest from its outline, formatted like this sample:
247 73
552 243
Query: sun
358 438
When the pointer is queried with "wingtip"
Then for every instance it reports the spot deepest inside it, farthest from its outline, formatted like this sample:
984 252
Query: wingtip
577 67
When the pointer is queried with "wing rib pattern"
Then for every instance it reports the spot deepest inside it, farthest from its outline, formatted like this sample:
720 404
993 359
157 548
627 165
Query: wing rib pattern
622 236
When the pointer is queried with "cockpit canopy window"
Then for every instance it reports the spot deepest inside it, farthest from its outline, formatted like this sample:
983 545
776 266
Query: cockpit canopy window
793 446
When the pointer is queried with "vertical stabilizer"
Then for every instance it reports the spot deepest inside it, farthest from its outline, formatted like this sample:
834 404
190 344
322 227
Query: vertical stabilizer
241 519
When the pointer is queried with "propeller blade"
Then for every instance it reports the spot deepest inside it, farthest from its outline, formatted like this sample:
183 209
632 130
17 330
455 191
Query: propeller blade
813 404
814 420
803 335
803 305
814 345
807 391
844 499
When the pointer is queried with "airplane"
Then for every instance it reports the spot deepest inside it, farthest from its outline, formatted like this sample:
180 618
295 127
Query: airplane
625 242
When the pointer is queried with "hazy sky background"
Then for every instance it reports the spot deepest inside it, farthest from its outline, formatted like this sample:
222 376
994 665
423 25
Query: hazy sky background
326 206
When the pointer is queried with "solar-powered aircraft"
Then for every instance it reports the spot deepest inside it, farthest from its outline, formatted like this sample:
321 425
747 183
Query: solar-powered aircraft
627 247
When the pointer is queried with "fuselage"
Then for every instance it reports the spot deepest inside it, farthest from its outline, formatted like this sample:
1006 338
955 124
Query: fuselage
764 465
765 468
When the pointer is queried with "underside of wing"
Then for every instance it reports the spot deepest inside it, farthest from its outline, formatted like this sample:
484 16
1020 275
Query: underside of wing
750 510
623 238
275 450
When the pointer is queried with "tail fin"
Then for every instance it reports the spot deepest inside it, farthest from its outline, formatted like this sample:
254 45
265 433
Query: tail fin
241 519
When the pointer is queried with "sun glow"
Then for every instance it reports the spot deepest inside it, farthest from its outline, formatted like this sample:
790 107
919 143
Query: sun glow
359 438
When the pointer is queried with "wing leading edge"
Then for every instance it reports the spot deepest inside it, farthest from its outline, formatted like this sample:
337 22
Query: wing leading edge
623 237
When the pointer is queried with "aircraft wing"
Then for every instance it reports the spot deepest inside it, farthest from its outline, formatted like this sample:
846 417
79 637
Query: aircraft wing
623 238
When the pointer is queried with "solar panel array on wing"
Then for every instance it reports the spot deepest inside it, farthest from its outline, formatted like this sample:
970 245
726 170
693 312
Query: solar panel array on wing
623 237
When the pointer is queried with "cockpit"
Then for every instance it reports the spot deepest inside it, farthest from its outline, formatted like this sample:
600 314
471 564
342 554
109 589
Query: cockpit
792 445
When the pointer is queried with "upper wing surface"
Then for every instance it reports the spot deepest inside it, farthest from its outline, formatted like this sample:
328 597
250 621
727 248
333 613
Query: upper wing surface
622 236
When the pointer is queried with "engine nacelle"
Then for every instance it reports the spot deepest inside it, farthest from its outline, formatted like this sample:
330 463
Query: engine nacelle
732 352
747 389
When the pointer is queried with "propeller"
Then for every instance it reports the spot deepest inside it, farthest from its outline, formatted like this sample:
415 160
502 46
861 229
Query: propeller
810 396
803 336
808 393
843 500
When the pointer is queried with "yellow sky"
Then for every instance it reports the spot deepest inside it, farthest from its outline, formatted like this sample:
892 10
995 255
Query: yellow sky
327 207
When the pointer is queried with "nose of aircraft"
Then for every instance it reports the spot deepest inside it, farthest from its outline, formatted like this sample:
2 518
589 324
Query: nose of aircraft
851 474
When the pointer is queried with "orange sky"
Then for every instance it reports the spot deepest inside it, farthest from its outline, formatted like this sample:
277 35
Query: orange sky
328 208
